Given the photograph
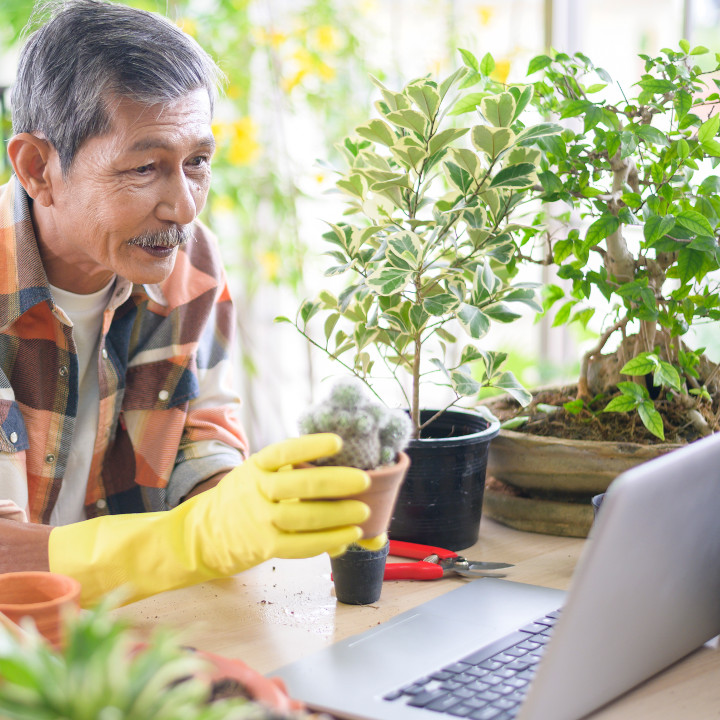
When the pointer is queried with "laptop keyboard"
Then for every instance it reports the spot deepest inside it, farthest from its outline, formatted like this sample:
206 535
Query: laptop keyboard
489 684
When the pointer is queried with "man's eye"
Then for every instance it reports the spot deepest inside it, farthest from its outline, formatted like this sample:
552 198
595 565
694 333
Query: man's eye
144 169
199 161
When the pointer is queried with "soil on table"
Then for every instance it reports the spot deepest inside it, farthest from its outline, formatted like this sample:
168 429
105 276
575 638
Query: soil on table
593 424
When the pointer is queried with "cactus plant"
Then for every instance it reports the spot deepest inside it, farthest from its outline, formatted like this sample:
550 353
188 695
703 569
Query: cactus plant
372 434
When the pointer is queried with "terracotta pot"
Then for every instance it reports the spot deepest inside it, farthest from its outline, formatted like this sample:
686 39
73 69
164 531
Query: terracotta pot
268 691
381 496
44 597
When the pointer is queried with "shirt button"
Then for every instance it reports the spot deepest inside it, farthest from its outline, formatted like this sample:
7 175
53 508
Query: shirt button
101 504
63 371
163 395
49 458
13 437
104 353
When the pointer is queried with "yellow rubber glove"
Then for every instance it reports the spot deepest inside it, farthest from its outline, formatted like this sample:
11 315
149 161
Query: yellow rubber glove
374 543
263 508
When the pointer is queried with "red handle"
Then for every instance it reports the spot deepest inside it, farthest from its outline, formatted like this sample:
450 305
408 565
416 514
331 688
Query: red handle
413 550
412 571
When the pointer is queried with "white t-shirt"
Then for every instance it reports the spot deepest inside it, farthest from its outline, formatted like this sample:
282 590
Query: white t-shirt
86 314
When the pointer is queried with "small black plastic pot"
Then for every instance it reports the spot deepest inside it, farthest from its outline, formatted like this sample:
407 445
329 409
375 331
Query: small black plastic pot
358 575
440 502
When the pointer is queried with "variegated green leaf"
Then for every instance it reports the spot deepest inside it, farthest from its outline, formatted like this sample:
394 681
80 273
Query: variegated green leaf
388 281
498 110
475 322
492 141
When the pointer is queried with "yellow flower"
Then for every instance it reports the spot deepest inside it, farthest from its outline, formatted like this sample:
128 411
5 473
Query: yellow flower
270 263
486 13
326 38
303 59
501 71
223 204
288 83
368 7
234 91
437 66
187 25
273 38
244 147
324 71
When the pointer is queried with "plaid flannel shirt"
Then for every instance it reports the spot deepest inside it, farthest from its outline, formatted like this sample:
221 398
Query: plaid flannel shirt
169 418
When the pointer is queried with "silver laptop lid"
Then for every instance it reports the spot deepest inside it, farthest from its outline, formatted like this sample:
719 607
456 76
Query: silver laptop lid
646 591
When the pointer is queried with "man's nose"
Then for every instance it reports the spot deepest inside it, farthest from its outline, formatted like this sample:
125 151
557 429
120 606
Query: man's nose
178 202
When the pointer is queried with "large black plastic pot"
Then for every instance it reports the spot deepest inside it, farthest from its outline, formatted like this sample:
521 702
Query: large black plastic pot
440 502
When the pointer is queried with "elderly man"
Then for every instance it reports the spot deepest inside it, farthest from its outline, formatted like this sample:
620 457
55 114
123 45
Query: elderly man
122 459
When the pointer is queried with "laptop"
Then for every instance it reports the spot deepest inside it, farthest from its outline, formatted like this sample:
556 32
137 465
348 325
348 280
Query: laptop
645 593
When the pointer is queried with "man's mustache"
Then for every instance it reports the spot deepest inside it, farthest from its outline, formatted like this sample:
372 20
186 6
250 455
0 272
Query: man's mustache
169 237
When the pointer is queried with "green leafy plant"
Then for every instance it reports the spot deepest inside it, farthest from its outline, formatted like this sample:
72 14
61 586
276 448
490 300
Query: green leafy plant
431 255
103 673
637 170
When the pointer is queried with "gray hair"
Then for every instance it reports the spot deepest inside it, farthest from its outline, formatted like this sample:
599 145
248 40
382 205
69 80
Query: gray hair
91 52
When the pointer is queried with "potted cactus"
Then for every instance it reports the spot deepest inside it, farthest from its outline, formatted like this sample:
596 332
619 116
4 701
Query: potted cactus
374 438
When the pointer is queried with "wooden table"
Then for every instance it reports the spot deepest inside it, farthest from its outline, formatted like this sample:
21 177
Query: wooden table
284 609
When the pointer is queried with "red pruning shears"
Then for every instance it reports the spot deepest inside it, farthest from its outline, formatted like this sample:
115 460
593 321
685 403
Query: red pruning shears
434 563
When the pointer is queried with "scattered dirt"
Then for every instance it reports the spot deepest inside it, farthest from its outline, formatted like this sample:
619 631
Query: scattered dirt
590 423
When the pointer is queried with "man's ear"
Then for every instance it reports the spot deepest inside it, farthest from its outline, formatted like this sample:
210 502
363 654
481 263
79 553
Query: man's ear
31 158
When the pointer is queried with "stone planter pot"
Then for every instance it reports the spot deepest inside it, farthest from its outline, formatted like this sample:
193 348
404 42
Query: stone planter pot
546 483
43 597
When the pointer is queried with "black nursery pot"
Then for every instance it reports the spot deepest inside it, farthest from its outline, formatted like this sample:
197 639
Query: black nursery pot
358 575
440 502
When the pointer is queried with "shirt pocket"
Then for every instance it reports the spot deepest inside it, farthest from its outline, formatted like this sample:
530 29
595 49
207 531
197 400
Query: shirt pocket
13 433
159 385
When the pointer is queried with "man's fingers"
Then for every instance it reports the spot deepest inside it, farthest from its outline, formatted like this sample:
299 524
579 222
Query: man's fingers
315 482
301 517
297 450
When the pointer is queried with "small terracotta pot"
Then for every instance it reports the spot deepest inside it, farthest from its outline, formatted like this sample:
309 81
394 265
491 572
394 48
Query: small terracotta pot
43 596
268 691
381 496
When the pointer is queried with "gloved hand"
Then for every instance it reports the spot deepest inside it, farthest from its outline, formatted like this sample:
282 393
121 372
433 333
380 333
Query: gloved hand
374 543
263 508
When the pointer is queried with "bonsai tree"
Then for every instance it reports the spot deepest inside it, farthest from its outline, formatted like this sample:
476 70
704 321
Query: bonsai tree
637 167
430 255
372 434
104 672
